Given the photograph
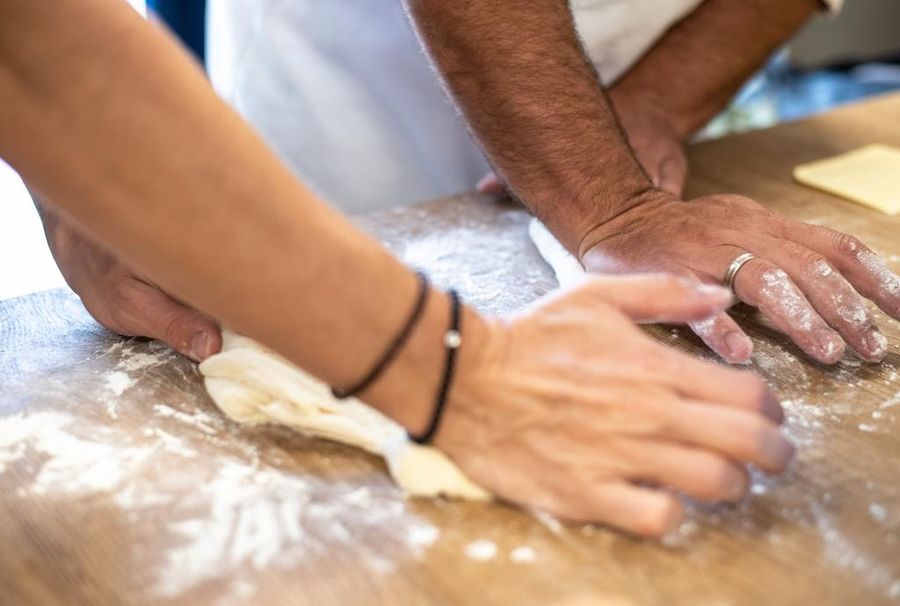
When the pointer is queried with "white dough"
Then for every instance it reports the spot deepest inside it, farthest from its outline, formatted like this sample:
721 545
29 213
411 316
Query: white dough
567 268
253 385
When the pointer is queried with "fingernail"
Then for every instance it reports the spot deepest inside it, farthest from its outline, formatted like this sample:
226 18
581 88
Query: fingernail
783 452
739 346
772 408
832 345
200 346
876 342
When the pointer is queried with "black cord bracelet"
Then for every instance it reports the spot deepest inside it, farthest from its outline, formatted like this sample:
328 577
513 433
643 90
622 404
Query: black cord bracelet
391 352
452 341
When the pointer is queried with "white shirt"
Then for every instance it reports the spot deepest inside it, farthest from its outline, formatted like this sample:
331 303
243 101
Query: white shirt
343 92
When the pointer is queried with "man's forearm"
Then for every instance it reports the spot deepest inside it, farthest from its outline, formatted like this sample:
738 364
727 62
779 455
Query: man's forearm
696 68
519 75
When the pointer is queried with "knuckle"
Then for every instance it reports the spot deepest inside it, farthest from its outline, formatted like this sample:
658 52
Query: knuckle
846 245
176 333
812 264
754 272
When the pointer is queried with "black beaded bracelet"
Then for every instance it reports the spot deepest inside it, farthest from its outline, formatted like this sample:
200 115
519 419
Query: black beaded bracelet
452 341
394 348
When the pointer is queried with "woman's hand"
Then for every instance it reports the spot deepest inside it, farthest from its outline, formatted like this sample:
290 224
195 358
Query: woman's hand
571 408
123 301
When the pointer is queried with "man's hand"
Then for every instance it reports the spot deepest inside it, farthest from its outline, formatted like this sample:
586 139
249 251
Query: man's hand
654 139
806 279
123 301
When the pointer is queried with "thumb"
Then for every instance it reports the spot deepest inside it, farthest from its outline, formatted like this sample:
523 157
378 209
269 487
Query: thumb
155 314
672 175
491 185
661 298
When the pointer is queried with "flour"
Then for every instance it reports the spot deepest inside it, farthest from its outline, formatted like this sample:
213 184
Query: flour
118 382
888 281
849 305
242 516
891 403
201 421
132 362
73 463
823 269
523 555
262 518
780 292
878 512
481 550
444 252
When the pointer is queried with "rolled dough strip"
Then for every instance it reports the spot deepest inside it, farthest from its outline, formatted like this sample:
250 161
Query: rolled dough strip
567 268
254 385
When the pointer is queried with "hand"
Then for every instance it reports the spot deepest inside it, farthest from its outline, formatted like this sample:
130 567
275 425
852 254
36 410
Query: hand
124 302
572 409
806 279
656 143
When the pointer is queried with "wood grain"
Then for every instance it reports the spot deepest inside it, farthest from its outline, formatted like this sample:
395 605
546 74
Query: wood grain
120 483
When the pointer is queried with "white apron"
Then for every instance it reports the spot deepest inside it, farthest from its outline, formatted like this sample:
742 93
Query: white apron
343 92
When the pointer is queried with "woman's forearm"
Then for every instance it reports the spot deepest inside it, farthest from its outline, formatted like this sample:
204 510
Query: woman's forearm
113 126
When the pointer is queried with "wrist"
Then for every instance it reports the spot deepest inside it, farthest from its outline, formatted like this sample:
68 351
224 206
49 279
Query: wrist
408 390
629 211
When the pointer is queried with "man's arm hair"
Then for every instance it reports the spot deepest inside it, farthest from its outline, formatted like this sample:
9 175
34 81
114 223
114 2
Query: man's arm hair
700 63
520 76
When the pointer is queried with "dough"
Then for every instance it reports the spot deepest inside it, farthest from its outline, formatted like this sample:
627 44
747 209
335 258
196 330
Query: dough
567 268
254 385
869 176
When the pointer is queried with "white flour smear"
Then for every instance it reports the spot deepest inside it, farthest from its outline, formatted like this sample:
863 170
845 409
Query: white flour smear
264 518
780 292
888 281
241 517
128 370
481 550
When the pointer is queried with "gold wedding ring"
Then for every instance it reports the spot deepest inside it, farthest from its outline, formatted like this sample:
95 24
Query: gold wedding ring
734 268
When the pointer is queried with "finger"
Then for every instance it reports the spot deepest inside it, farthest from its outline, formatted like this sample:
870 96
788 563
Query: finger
722 335
672 174
699 380
491 185
149 312
858 263
830 294
652 298
642 511
696 472
763 285
740 435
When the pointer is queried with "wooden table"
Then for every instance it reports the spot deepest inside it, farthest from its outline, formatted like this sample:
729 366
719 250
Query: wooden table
121 483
